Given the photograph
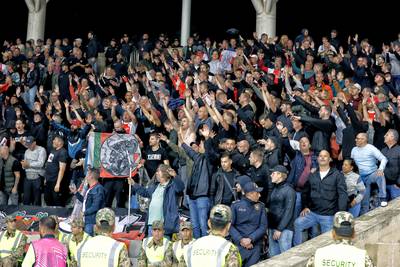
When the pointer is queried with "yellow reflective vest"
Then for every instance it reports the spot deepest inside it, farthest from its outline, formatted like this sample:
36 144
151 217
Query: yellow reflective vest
8 245
207 251
155 255
178 249
340 255
73 247
99 251
64 238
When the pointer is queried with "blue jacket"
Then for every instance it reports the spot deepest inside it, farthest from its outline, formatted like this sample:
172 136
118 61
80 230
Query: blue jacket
249 220
173 190
75 139
95 201
297 166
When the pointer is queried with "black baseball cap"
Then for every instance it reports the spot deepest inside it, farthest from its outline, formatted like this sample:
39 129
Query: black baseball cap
279 168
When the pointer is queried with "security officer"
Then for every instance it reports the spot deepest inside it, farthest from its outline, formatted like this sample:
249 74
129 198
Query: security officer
12 244
343 253
249 224
61 236
186 237
156 250
102 250
78 238
214 249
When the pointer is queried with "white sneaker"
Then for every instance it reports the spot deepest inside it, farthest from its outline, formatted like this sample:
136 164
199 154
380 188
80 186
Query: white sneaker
384 203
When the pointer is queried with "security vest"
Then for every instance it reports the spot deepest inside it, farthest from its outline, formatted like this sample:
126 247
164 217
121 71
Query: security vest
155 255
208 251
178 249
343 255
8 245
9 179
64 238
73 247
99 251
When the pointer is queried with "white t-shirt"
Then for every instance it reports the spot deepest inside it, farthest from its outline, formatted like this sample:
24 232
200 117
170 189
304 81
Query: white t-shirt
323 174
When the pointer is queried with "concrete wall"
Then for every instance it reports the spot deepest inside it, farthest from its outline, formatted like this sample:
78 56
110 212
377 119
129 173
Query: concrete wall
377 231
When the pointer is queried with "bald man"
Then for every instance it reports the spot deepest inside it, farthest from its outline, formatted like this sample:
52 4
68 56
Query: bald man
324 194
366 156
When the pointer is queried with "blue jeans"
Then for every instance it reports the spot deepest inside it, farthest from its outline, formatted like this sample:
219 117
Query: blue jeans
199 209
279 246
297 205
393 191
368 180
89 229
311 219
355 210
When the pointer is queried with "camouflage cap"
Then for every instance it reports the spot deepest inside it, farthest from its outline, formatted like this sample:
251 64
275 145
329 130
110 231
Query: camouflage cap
157 224
78 223
341 217
343 223
221 213
105 214
10 218
185 225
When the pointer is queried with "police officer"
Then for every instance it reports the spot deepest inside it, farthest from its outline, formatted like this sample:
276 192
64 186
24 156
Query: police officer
102 250
214 249
79 237
249 224
12 243
186 237
156 250
343 253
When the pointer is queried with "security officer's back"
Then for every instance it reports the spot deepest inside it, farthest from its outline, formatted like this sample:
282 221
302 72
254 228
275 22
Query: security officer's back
214 250
102 250
343 253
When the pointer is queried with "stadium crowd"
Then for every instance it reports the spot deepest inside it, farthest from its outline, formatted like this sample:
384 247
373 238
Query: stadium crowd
286 132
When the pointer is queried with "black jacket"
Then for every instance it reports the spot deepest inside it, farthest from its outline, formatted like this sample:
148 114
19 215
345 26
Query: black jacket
326 196
281 207
198 183
261 177
33 78
218 185
321 129
353 128
92 48
392 170
272 158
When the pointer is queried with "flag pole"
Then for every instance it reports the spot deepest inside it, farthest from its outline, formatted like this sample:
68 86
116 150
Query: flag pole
129 195
130 187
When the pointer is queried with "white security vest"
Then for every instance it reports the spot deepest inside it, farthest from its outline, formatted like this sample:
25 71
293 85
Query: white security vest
178 249
342 255
7 245
99 251
155 255
207 251
73 247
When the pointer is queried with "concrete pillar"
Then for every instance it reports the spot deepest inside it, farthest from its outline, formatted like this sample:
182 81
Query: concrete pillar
266 16
185 23
36 19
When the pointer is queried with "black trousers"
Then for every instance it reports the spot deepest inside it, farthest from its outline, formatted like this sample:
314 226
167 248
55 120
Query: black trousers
114 188
50 197
32 192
